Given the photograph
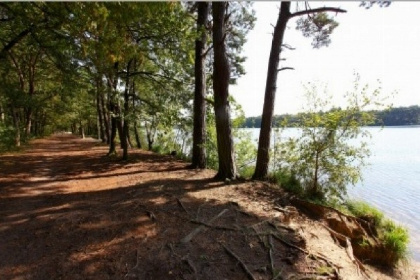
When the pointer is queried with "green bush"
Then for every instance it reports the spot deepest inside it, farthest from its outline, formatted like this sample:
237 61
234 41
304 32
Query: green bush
287 181
247 171
7 140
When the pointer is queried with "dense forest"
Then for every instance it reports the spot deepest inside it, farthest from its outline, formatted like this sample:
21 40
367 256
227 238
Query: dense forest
389 117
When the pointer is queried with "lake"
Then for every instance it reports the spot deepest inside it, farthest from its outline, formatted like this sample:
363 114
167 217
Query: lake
392 180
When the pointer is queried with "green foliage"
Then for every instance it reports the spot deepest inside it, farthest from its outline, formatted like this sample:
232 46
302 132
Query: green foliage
288 181
363 210
394 238
330 152
245 152
7 140
319 26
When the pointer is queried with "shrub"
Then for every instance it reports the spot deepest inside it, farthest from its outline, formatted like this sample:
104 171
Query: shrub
287 181
7 140
325 157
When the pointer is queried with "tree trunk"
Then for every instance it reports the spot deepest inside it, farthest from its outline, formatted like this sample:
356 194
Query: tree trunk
2 114
133 93
261 169
137 135
124 138
112 147
114 110
99 109
120 124
106 118
315 191
28 122
16 123
82 130
221 75
199 134
150 133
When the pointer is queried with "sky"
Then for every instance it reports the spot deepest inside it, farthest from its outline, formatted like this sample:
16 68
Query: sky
377 43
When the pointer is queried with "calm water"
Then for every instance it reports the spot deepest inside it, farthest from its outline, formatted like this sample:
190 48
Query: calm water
392 181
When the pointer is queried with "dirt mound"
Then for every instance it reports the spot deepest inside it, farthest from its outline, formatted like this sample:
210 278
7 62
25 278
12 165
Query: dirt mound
69 212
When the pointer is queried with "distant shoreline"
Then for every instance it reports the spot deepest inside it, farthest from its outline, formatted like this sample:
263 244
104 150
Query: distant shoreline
394 117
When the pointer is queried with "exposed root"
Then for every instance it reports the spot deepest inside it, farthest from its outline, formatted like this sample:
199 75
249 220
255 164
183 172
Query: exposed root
134 271
182 205
245 268
213 227
197 230
151 215
349 250
318 256
191 265
270 254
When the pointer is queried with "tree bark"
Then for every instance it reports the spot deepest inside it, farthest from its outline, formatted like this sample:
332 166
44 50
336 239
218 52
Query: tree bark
2 114
133 94
106 118
199 133
124 138
99 110
261 169
16 123
112 146
221 75
115 110
28 122
137 135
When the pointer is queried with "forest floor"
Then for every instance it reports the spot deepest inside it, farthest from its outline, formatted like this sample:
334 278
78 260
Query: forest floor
67 211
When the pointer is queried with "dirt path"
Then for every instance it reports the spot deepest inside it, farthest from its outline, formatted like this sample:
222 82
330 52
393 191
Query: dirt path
69 212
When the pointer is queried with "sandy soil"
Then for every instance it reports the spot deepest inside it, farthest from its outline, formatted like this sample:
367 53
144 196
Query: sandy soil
69 212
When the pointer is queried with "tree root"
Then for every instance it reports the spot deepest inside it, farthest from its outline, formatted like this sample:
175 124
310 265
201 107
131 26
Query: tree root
245 268
316 255
361 269
191 265
197 230
270 254
182 206
134 271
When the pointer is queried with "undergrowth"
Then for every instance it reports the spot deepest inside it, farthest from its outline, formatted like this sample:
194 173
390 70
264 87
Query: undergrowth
395 238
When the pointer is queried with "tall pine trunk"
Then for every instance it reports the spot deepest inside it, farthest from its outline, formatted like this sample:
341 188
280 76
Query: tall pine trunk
124 138
261 169
137 135
106 117
114 110
99 110
221 76
199 134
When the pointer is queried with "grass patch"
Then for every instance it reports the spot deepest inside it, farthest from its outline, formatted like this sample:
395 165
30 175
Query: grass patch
393 237
364 211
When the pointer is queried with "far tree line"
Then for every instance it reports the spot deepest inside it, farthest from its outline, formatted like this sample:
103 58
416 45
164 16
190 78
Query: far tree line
397 116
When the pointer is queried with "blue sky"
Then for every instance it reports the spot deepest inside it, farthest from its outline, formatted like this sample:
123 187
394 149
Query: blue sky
378 43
